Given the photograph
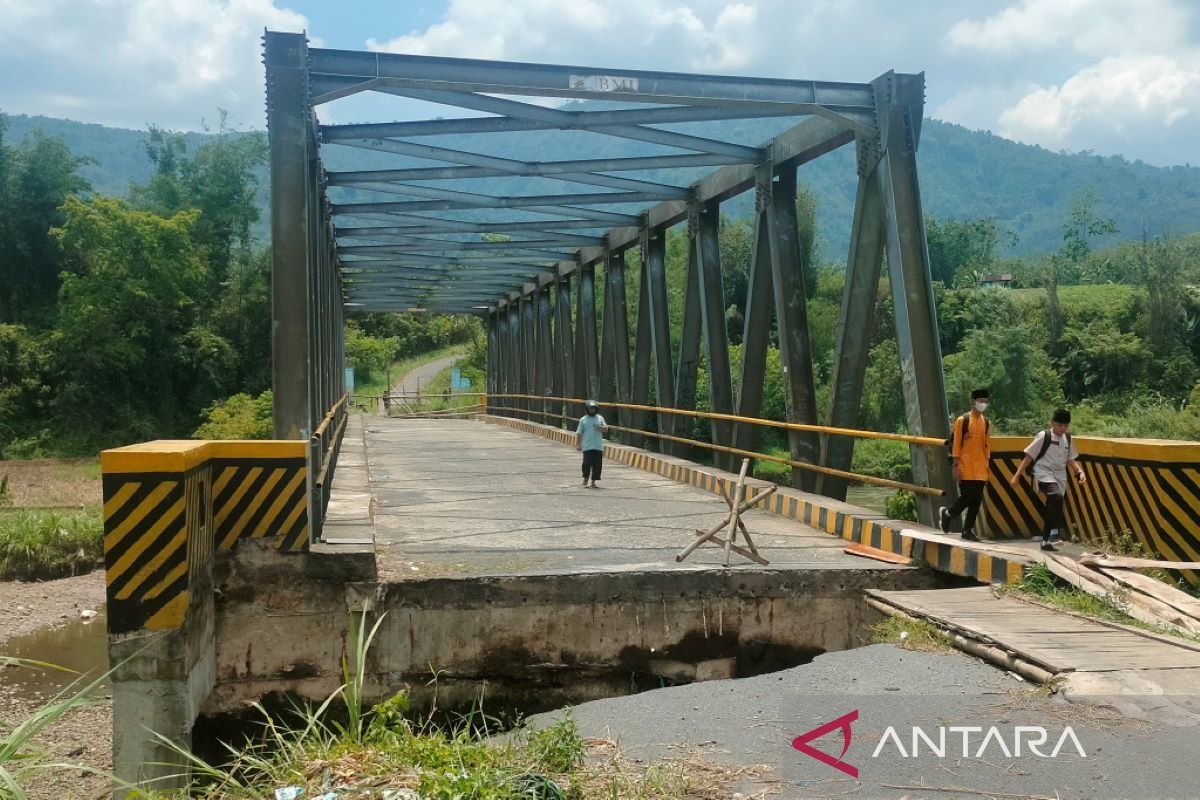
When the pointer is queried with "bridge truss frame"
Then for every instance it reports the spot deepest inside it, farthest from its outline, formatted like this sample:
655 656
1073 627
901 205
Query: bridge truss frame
421 246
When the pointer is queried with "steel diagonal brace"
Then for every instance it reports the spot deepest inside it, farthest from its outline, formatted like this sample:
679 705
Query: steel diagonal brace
565 121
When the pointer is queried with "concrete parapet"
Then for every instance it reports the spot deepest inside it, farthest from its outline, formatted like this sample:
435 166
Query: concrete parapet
169 507
1148 488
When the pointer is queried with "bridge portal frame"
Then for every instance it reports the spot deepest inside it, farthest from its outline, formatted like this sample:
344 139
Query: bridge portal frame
409 252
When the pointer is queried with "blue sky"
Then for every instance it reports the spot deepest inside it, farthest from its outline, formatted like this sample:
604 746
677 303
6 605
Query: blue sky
348 24
1112 76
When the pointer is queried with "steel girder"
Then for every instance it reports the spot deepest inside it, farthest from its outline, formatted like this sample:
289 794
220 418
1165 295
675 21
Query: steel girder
439 180
432 232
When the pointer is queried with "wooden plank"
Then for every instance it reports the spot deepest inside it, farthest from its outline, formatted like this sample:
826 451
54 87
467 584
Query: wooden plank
1182 601
1126 562
1043 636
1141 607
866 551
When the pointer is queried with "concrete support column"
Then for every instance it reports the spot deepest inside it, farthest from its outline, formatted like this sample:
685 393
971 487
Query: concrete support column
160 605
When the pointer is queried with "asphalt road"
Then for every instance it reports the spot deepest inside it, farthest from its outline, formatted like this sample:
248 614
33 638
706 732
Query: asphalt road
753 721
422 375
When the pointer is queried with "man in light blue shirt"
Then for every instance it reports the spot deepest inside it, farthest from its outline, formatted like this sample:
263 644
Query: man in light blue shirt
589 439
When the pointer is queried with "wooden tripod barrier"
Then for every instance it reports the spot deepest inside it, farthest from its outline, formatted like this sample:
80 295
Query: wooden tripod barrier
737 507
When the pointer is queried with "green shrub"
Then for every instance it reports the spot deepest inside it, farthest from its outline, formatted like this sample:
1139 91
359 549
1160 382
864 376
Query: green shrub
239 417
901 505
882 458
40 545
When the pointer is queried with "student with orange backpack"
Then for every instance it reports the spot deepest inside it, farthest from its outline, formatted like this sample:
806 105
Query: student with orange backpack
971 451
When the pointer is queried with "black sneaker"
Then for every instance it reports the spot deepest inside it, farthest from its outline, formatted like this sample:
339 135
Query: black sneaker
1047 546
970 536
944 516
1055 537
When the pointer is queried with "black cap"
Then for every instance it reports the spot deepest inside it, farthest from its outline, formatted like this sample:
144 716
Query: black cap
979 394
1062 417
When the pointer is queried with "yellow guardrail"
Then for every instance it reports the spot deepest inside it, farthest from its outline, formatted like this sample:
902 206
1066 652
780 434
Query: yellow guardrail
854 476
768 423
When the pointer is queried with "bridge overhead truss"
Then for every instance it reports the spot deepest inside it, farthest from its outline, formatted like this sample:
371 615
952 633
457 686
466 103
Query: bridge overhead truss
453 217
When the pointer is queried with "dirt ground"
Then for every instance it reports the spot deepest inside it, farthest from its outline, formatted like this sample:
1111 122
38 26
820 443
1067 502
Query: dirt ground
53 482
81 738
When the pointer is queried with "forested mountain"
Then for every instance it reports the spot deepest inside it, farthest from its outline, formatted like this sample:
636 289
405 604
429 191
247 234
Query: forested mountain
965 174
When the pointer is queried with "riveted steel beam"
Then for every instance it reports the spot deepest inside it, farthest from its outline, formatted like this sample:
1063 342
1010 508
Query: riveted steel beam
549 80
912 290
689 348
706 250
654 261
533 168
791 316
856 326
614 276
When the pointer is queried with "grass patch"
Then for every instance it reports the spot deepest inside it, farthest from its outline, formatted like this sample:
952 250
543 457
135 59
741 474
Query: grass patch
376 385
1040 582
911 634
40 545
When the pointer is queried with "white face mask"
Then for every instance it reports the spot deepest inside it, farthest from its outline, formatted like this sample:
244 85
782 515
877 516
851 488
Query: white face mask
981 406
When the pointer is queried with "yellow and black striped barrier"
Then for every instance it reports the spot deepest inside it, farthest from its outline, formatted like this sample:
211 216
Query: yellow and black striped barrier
1148 489
169 505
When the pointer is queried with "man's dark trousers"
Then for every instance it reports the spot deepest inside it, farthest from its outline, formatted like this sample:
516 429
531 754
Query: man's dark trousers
593 462
970 498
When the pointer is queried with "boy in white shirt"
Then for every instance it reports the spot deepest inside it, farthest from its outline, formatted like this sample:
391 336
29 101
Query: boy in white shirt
1051 454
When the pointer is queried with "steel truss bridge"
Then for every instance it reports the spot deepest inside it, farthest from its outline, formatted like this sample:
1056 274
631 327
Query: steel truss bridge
439 229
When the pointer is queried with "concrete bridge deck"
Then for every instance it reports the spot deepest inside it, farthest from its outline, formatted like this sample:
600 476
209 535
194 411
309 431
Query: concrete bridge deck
457 497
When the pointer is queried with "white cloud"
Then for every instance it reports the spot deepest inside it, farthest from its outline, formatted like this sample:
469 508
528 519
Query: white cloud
1156 98
129 62
1088 27
1113 75
1129 74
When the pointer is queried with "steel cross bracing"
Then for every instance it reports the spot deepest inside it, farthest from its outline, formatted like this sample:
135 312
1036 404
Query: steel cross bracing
453 215
430 209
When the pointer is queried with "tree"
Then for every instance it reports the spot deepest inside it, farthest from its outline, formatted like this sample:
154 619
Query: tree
1081 227
968 244
35 178
221 180
132 357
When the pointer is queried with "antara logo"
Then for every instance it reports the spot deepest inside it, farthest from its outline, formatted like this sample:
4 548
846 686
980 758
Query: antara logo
843 722
1025 739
